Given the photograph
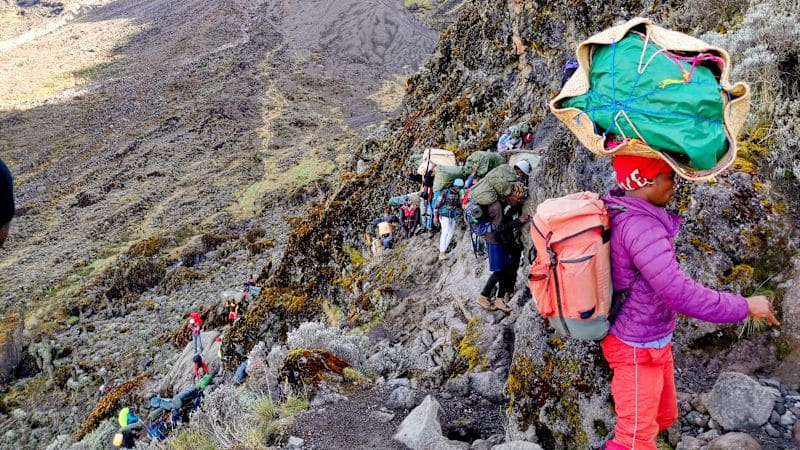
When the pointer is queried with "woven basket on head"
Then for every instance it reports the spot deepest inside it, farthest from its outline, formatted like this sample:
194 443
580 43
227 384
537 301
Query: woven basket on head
736 98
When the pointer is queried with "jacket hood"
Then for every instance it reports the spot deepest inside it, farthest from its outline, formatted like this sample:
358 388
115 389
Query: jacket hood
617 198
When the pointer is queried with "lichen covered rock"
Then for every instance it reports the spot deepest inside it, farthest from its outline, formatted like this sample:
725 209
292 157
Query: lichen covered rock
558 388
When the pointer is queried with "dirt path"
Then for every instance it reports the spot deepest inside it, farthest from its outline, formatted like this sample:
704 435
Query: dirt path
348 424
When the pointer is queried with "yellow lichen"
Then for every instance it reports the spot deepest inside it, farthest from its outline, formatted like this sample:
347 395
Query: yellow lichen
702 245
469 350
741 274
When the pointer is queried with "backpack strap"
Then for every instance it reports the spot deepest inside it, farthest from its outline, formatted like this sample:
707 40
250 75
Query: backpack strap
618 299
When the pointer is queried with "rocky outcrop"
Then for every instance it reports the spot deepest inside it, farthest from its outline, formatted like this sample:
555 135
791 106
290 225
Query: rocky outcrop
11 328
181 375
558 388
789 370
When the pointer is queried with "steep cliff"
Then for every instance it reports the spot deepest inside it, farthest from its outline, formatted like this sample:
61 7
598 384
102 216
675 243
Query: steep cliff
498 64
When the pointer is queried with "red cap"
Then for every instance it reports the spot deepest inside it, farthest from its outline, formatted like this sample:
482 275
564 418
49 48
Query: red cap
634 172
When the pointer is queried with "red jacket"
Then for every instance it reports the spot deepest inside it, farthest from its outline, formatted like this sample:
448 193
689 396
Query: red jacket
197 369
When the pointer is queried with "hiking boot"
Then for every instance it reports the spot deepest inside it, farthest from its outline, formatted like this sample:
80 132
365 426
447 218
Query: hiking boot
442 256
502 304
483 302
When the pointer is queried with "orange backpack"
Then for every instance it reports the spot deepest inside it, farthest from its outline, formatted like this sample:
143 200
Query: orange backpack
570 276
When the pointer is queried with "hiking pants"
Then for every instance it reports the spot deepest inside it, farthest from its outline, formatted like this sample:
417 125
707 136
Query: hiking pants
448 228
643 387
409 230
241 373
198 342
505 280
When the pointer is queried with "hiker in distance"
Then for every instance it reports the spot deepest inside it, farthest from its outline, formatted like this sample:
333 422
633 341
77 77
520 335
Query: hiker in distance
638 346
385 226
409 213
447 210
6 201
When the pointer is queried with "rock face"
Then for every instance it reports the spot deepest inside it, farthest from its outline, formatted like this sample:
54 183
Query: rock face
465 97
737 402
11 328
181 375
789 370
421 426
558 388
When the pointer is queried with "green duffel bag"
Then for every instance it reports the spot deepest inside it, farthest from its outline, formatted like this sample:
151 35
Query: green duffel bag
445 176
205 380
485 161
396 202
499 182
670 101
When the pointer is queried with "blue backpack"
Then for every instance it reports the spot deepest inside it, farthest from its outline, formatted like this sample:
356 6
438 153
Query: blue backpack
477 219
157 430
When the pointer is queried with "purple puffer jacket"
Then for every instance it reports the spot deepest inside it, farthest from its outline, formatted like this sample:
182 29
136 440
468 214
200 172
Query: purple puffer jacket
642 236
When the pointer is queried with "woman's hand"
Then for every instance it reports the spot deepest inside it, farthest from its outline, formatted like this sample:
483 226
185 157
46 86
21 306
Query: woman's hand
760 307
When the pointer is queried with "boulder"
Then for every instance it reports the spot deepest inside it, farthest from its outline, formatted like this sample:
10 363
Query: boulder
690 443
734 441
294 443
421 426
11 328
181 376
402 398
696 419
738 402
325 395
517 445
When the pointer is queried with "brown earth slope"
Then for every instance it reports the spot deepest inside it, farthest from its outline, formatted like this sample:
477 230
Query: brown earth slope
125 121
139 117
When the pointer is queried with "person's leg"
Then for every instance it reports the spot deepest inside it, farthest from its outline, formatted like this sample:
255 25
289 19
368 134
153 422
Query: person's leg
241 373
636 386
194 342
490 284
668 404
447 233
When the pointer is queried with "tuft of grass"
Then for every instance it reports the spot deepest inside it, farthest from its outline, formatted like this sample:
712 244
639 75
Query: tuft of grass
751 325
264 409
353 376
192 440
293 405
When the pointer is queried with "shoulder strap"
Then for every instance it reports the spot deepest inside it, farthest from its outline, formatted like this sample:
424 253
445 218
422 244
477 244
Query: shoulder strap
619 298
